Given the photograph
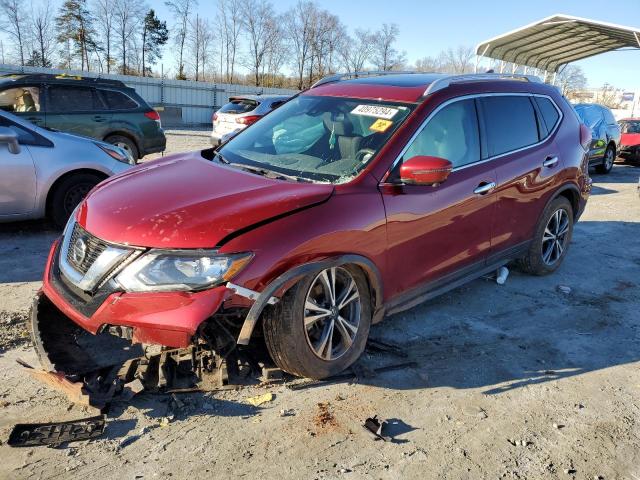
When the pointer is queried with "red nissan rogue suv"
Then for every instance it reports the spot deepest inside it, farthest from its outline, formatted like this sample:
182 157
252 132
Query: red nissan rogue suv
356 199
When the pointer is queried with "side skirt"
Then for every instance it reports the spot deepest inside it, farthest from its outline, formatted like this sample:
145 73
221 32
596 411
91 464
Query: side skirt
454 280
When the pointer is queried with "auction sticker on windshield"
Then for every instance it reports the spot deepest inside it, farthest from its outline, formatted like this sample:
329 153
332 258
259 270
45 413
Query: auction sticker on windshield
376 111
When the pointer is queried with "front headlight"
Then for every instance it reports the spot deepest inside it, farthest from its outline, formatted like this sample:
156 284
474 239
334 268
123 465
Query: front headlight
117 153
180 270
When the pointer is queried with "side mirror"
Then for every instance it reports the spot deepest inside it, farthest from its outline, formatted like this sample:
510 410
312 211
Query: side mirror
423 170
10 137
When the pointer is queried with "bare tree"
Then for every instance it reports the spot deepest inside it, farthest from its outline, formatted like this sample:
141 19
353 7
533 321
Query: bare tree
105 12
276 56
356 51
459 60
196 44
570 80
428 64
385 55
13 21
609 96
182 9
43 34
327 34
300 27
258 21
229 25
128 18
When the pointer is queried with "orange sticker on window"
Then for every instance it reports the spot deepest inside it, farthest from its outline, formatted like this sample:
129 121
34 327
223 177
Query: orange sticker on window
380 125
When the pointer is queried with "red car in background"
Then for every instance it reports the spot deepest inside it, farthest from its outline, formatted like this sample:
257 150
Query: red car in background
630 140
356 199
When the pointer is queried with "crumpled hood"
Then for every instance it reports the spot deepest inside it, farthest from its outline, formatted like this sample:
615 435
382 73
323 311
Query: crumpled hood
185 201
630 139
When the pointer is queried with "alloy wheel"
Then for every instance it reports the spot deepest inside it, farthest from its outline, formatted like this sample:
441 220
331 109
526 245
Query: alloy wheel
554 239
125 147
332 313
608 159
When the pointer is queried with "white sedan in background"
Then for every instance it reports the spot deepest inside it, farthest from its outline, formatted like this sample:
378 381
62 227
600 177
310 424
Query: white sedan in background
240 112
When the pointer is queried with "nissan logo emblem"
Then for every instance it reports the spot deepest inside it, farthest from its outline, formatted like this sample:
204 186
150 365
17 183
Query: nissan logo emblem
78 250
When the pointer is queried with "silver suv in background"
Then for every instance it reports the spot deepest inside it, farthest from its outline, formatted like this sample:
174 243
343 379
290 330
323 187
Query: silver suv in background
240 112
605 133
46 174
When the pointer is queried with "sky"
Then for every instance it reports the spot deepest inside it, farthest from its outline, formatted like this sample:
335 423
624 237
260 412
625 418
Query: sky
428 27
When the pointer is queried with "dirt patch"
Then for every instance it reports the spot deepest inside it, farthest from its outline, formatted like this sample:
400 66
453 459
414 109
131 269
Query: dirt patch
13 330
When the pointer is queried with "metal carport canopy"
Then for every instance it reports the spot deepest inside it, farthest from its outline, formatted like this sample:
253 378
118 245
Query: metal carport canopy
557 40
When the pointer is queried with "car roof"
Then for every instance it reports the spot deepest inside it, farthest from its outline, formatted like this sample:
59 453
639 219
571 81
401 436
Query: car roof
412 86
22 78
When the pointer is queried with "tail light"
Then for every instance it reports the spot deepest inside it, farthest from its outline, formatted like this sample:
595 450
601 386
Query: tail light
249 119
214 117
152 115
585 136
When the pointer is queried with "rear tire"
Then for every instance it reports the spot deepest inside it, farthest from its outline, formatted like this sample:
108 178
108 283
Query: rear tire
125 143
68 194
607 161
306 346
551 240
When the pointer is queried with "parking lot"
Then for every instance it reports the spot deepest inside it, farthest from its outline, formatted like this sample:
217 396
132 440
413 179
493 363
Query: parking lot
538 378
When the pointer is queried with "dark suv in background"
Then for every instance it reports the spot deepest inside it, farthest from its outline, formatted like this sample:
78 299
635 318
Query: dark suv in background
104 109
605 135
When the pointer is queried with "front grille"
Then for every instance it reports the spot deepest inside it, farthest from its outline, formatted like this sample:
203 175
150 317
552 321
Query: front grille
94 247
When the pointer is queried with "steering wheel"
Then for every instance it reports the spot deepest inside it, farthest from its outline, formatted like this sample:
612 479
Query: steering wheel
363 152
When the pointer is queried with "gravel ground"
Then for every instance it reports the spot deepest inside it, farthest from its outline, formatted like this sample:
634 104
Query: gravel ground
514 381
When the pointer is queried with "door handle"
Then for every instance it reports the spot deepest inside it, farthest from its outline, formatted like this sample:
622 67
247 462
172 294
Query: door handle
484 188
550 162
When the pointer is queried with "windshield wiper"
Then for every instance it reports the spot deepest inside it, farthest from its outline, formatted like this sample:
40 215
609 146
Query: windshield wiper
221 158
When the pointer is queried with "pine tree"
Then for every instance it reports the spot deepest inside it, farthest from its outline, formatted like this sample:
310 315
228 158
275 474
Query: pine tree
154 35
74 25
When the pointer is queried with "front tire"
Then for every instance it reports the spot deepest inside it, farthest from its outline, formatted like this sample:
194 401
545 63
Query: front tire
607 161
320 326
551 240
68 194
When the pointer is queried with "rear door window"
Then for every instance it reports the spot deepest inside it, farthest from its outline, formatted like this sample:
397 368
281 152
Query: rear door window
238 106
71 99
451 134
510 122
117 100
549 112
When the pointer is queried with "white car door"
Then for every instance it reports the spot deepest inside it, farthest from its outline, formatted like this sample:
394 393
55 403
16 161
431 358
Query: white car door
17 176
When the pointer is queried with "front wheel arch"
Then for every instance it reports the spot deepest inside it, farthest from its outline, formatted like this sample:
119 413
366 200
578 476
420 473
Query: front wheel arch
289 278
62 178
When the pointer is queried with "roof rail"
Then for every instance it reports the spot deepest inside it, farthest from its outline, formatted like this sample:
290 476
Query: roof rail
338 77
444 82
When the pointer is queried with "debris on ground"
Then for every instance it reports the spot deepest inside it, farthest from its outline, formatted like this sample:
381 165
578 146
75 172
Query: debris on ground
260 399
378 346
36 434
501 275
375 426
564 289
289 412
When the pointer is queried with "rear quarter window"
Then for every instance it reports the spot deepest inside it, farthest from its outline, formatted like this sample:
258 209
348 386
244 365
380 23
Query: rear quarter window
510 123
549 112
117 100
